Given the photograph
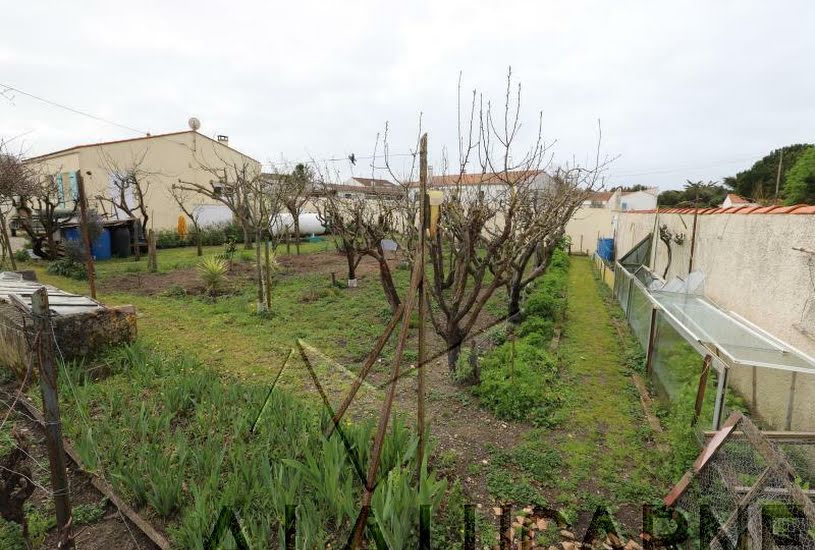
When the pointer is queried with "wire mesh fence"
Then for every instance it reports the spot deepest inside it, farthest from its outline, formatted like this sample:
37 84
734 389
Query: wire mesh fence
746 491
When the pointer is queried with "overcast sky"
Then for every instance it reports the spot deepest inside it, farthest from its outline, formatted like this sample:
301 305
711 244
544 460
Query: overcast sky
686 90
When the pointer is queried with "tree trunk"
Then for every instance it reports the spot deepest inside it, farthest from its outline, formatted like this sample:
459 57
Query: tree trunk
136 243
387 283
268 279
515 289
296 219
351 258
199 246
259 273
453 338
247 240
7 240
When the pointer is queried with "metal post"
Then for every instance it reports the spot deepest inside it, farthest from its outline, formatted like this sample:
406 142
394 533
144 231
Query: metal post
693 238
652 336
721 389
791 401
628 298
43 334
86 237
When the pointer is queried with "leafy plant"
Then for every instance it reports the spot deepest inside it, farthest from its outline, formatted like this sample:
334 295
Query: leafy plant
213 274
66 267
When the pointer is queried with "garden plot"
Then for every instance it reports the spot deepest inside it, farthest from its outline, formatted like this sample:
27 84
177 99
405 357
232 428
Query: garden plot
197 399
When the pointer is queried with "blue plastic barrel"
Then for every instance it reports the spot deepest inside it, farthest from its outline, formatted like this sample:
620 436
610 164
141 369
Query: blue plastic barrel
100 248
605 249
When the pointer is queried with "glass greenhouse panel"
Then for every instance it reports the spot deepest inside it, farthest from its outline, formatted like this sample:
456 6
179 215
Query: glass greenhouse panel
639 315
625 285
675 364
712 325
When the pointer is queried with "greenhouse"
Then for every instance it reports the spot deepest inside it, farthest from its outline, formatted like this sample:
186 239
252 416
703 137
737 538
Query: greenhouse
699 351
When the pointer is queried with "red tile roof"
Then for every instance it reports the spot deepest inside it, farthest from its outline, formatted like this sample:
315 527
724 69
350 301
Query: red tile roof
737 199
489 178
745 209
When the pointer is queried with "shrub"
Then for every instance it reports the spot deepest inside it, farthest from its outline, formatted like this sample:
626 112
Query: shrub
213 274
21 255
523 384
524 388
211 235
66 267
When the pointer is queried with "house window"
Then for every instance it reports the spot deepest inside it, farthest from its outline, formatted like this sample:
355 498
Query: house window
625 206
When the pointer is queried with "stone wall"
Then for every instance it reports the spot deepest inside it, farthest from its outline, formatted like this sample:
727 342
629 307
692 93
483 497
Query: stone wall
78 336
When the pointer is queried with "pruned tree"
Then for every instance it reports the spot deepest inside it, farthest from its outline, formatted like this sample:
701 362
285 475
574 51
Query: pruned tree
42 213
294 190
541 224
498 204
183 198
361 223
230 184
130 182
16 178
254 200
342 218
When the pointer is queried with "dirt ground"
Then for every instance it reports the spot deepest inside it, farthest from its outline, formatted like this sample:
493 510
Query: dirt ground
112 531
241 273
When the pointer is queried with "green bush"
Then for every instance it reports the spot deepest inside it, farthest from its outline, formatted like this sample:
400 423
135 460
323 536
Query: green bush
525 388
66 267
524 384
21 255
212 235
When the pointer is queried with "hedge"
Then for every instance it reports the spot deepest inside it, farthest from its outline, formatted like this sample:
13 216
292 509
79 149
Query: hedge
529 388
211 235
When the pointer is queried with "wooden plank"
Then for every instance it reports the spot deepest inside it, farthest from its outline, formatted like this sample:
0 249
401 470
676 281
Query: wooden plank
716 442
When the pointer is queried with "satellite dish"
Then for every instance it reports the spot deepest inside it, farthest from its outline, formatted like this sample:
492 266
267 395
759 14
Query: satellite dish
194 123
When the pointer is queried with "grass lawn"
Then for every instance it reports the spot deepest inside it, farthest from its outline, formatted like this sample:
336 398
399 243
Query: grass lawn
603 452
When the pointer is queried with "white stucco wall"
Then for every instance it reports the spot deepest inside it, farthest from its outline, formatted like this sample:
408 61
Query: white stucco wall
585 226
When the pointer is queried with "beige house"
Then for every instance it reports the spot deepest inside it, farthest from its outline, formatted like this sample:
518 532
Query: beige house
163 159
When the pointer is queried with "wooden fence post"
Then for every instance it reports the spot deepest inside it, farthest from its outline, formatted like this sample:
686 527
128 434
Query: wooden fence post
152 260
44 351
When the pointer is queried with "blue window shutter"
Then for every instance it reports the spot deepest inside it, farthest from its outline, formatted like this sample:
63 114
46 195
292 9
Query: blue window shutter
60 191
73 186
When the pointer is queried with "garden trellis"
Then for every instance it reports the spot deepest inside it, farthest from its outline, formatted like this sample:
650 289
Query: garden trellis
688 338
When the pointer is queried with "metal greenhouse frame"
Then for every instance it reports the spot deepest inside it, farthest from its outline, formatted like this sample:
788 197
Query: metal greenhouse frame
775 380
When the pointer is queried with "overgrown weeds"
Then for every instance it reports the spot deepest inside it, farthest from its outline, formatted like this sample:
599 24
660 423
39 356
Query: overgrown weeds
520 378
177 441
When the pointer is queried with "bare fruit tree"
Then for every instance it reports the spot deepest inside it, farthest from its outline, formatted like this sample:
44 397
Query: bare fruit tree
130 183
42 213
498 202
183 198
230 184
254 200
541 225
294 190
16 179
342 218
361 223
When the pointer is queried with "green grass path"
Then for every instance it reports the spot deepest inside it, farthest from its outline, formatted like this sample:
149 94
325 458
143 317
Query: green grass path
605 443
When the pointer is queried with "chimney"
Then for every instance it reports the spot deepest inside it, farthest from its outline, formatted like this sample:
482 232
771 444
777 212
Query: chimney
222 139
